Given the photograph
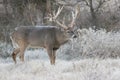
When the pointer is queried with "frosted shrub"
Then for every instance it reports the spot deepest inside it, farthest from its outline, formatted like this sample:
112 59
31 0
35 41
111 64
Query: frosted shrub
5 49
91 43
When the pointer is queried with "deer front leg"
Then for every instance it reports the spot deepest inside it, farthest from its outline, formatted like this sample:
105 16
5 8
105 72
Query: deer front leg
14 54
54 56
51 55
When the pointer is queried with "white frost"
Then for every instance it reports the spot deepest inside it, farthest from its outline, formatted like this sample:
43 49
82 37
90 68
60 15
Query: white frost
88 69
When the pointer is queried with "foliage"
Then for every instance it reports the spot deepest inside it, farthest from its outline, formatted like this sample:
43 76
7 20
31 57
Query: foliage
92 44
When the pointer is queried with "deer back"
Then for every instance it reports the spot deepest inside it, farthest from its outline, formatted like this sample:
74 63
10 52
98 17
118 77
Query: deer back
40 36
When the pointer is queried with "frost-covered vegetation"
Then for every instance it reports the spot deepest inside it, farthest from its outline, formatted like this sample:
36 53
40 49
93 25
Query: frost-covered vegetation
88 57
87 69
5 50
95 44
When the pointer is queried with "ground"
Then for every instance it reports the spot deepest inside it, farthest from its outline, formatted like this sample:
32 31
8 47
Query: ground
38 67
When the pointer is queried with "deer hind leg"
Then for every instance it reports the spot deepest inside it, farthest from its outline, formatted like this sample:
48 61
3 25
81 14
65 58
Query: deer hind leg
14 54
21 54
51 55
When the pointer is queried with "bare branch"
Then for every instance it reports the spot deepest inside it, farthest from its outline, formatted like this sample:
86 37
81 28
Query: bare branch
101 2
68 2
87 3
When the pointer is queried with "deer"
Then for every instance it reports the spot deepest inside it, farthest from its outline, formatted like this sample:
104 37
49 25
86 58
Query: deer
48 37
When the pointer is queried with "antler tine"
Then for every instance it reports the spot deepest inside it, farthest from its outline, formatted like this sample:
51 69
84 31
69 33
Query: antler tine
58 12
62 25
53 16
56 15
74 15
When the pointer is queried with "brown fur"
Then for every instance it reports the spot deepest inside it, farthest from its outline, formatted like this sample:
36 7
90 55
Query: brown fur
50 38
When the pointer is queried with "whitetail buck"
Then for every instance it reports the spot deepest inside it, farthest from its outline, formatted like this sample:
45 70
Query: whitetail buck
50 38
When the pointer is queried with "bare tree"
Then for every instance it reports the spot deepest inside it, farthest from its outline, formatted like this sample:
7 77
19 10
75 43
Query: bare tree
94 8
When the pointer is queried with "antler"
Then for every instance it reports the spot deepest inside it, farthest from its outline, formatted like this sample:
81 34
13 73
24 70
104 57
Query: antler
74 16
54 16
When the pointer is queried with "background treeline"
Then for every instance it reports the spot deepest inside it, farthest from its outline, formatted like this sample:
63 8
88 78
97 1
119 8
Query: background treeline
93 13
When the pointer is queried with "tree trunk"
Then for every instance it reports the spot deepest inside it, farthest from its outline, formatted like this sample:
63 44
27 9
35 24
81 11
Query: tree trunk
5 6
93 15
48 11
